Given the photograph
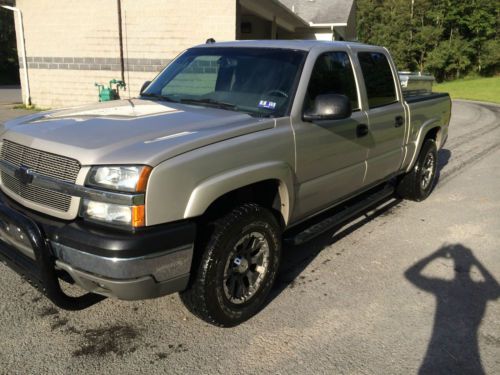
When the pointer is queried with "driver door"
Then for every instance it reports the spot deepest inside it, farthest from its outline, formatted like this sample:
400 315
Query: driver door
331 156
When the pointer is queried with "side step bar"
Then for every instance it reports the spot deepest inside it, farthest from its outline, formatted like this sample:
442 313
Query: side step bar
350 210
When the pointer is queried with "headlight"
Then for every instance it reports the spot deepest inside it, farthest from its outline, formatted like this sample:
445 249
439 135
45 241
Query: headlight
121 178
125 179
131 216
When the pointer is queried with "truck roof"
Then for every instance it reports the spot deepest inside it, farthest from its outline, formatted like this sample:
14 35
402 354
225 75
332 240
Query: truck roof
304 45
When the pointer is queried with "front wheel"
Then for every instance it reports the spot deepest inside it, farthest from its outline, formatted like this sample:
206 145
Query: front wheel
417 184
238 267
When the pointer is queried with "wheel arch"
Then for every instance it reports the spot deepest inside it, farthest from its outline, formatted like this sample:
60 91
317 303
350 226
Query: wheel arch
430 130
269 184
434 133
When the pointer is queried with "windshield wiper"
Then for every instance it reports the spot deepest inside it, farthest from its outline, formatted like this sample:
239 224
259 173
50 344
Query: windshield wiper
210 102
160 97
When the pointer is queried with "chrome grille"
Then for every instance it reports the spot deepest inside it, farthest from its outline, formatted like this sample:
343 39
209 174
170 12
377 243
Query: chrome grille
44 163
37 194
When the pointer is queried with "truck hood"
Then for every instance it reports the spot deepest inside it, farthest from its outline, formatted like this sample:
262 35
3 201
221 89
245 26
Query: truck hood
132 131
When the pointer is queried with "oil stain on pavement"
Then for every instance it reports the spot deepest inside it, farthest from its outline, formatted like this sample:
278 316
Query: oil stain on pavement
119 339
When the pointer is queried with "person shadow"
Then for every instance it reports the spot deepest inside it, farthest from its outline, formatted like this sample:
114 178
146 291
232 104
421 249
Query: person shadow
461 304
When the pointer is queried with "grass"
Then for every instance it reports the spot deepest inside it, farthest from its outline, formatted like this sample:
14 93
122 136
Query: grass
481 89
29 108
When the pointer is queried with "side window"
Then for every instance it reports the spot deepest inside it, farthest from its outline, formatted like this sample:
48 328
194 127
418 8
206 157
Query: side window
332 74
379 81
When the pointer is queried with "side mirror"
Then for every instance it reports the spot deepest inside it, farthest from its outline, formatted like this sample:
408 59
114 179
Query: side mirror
329 107
144 86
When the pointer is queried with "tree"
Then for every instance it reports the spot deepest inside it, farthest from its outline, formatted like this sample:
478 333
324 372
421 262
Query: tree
449 38
490 57
9 66
450 59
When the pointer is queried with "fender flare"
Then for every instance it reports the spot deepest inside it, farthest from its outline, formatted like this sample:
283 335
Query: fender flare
215 187
424 129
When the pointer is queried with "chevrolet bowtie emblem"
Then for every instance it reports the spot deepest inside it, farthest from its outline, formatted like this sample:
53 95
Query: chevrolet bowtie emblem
23 175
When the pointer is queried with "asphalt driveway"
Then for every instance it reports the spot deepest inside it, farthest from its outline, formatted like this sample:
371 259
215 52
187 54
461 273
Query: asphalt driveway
409 287
10 95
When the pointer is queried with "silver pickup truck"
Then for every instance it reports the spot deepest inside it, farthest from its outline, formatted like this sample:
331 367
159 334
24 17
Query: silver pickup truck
193 186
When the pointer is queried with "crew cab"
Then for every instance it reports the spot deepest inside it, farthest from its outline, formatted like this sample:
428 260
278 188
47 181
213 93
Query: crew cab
193 186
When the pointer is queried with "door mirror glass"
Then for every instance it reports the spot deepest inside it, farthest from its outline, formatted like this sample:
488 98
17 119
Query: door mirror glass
329 107
144 86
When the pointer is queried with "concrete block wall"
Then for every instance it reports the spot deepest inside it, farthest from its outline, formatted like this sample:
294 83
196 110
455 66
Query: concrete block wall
71 44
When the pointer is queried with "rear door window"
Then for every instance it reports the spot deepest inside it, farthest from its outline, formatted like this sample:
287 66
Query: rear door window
332 74
379 82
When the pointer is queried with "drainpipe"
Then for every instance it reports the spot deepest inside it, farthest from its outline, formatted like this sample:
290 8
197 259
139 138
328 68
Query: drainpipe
120 39
27 99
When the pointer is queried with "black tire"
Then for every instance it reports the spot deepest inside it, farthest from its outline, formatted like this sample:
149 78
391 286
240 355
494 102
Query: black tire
417 184
213 294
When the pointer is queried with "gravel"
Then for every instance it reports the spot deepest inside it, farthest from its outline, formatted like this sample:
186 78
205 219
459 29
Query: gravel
408 287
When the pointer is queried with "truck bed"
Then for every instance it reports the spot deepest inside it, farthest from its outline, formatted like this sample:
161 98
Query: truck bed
414 98
424 112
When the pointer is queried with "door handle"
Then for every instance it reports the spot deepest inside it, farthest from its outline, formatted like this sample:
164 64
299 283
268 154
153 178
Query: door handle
361 130
399 121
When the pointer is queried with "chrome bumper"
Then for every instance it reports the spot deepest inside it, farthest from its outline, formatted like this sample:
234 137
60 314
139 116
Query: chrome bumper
148 263
134 278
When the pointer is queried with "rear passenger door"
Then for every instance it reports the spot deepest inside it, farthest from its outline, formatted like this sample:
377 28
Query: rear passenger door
386 116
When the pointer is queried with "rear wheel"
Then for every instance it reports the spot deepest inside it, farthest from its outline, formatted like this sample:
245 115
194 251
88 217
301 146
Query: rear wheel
418 183
238 267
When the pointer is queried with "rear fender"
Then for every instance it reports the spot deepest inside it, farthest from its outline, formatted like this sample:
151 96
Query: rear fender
417 145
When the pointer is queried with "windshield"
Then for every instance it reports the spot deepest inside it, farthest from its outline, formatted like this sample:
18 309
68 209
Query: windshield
258 81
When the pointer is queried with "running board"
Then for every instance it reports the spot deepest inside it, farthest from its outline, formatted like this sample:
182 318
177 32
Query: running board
350 211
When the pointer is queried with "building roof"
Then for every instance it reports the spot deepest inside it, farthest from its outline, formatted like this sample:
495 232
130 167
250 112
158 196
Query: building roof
321 11
274 9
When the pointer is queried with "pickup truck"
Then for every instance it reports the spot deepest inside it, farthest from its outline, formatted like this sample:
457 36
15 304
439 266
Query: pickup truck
193 186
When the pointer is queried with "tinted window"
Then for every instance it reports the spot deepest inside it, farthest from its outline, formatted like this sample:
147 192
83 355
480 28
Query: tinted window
332 74
198 78
258 81
378 77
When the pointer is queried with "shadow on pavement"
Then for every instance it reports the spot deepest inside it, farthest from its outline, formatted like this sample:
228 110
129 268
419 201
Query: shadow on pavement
296 258
461 304
444 156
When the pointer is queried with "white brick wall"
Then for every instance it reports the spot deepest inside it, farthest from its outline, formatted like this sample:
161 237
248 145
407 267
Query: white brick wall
70 27
164 28
152 29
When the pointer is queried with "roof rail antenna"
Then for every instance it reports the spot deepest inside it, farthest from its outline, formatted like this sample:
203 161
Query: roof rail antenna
210 41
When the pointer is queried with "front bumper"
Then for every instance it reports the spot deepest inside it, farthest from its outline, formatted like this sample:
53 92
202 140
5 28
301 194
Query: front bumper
148 263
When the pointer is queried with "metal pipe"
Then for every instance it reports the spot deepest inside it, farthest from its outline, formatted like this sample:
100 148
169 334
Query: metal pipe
27 98
120 39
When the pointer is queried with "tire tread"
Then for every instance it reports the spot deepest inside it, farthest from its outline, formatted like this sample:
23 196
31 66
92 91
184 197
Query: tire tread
195 298
409 185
